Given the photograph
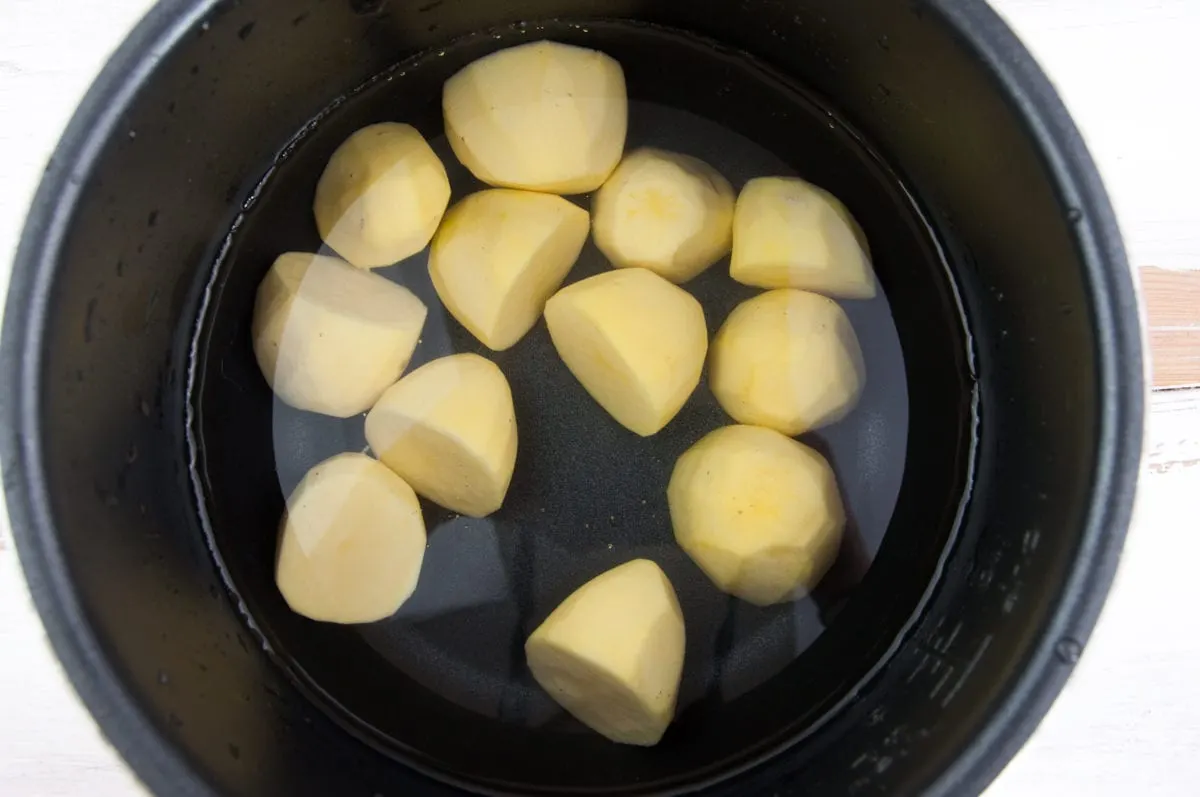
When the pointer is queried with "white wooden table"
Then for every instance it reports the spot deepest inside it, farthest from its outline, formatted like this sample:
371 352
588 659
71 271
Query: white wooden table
1128 722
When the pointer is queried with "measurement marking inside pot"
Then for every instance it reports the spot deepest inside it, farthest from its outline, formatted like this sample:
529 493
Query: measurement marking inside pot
987 640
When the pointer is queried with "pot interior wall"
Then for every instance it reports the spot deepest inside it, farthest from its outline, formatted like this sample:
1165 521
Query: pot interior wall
187 151
587 494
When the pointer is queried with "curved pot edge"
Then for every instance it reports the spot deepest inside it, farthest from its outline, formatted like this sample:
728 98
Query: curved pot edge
1122 388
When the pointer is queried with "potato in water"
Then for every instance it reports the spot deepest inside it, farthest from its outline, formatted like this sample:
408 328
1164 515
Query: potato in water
449 430
788 360
498 257
542 116
351 543
612 653
788 233
634 341
666 212
758 512
329 337
382 195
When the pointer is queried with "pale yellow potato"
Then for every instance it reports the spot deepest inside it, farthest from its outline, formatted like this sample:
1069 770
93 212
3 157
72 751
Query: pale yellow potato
500 254
788 233
670 213
329 337
634 341
612 653
788 360
381 196
351 542
541 116
758 512
448 429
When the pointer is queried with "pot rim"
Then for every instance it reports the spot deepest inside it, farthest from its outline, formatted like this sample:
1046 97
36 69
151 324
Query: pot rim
165 769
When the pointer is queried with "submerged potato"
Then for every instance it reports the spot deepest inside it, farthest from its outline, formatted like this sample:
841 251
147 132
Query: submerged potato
634 341
498 257
541 116
666 212
381 196
329 337
449 430
758 512
612 653
788 233
788 360
351 543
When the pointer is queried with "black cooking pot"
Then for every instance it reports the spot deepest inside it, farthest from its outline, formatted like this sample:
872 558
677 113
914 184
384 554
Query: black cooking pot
145 463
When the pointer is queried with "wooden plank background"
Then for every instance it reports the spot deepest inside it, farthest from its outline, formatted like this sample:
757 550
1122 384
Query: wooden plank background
1172 300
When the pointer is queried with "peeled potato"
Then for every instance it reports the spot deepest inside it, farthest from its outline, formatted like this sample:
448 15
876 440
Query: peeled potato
351 543
498 257
670 213
329 337
612 653
449 430
635 342
381 196
758 512
788 233
542 116
788 360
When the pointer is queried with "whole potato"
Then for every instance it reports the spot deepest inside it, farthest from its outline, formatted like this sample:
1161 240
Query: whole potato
758 512
789 233
329 337
382 195
500 254
448 428
612 653
634 341
541 116
788 360
666 212
351 543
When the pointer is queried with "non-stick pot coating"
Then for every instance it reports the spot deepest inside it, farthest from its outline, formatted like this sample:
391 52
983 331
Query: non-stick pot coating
113 269
588 494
